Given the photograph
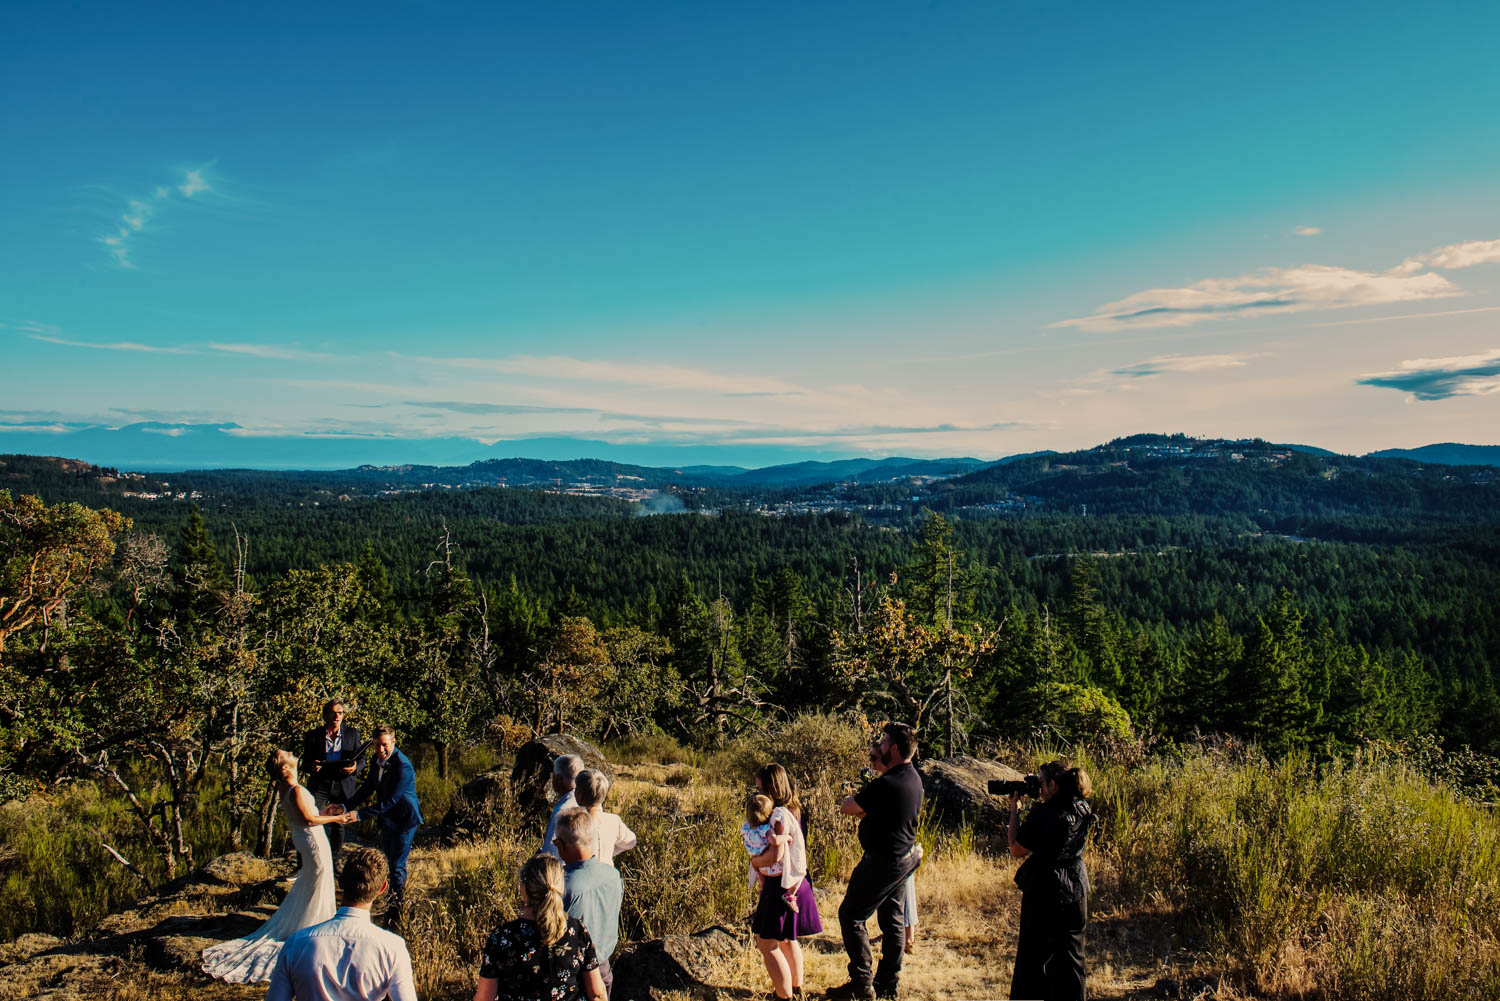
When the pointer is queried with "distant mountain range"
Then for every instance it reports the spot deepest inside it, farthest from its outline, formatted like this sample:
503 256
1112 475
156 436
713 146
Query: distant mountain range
1445 454
974 480
162 447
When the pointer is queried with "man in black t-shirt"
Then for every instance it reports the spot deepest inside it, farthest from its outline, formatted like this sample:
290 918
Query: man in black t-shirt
887 807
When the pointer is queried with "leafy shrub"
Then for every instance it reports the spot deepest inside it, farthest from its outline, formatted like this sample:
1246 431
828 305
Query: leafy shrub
1073 714
1361 877
648 748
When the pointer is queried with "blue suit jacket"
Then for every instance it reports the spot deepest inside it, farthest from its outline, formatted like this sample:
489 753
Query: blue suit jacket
395 794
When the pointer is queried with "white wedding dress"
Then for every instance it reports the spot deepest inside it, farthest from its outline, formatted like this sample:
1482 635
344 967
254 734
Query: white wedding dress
310 901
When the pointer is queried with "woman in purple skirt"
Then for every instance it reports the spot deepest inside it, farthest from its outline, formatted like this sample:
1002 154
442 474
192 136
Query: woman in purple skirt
777 926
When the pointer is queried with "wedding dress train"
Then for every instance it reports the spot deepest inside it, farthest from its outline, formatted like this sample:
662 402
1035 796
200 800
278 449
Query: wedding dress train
310 901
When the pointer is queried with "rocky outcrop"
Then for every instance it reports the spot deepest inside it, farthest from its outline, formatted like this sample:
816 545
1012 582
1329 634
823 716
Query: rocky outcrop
531 775
227 898
527 784
677 963
956 787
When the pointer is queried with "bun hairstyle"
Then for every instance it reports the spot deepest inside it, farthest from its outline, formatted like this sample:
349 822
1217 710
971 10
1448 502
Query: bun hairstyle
542 883
777 784
278 763
590 788
1072 782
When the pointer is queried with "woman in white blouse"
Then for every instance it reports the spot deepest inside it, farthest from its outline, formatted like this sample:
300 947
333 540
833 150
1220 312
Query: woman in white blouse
614 837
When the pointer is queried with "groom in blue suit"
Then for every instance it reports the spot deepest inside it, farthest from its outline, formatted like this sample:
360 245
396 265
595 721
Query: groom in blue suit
392 781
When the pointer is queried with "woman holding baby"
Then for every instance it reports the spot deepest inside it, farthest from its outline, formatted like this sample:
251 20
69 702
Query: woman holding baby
786 908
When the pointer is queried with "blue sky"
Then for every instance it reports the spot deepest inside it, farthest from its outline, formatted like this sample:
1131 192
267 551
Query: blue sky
744 232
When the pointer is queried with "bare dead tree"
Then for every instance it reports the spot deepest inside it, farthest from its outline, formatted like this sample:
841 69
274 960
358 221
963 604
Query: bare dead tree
143 559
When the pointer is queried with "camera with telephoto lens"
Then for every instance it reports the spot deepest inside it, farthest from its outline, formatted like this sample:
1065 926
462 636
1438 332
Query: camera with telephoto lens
1030 785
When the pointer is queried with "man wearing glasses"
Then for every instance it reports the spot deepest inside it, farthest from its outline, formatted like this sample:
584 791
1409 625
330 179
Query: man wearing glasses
332 770
887 808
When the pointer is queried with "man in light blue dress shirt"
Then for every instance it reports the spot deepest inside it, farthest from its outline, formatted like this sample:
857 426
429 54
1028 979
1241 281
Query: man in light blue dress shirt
592 890
347 958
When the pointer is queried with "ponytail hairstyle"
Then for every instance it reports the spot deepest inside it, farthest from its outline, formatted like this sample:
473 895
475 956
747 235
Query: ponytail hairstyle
542 883
280 764
1072 782
778 785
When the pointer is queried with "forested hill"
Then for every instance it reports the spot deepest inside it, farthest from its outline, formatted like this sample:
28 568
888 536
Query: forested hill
70 476
1354 597
1288 488
1449 453
1280 487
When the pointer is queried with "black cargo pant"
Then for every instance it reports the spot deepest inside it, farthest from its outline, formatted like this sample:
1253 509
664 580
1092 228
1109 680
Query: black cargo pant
1049 950
877 886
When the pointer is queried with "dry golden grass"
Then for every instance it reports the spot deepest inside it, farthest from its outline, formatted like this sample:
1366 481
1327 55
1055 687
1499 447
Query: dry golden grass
1345 881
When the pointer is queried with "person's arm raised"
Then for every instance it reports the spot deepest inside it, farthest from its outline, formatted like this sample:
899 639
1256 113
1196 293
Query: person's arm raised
850 807
1017 850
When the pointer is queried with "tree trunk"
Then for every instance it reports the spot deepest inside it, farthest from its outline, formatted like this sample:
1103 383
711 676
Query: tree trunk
442 752
267 821
948 685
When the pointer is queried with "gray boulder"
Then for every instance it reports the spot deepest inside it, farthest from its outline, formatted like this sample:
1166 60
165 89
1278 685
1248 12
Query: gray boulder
675 964
238 869
531 776
956 787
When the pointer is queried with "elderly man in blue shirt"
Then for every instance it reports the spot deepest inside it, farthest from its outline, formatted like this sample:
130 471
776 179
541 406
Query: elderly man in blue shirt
565 772
592 890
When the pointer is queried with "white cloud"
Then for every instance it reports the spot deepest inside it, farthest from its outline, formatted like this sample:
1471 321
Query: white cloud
276 351
646 374
193 184
280 352
139 211
1308 230
1272 290
1456 255
1170 364
137 215
113 346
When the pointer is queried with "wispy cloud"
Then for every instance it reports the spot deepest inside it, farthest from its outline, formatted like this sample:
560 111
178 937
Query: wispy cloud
1165 364
41 428
496 409
138 212
193 184
1457 255
275 352
279 352
113 345
647 374
1289 290
1442 378
1274 290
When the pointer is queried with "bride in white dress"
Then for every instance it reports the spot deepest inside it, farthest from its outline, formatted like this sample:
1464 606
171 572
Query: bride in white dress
311 899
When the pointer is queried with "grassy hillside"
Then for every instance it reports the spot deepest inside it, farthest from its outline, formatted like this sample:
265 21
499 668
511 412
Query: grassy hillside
1212 867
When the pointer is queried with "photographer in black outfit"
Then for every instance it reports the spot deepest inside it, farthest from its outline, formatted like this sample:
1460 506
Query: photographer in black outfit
887 807
1054 885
